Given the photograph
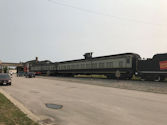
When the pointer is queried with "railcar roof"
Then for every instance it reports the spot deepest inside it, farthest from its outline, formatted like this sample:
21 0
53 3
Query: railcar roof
122 54
160 55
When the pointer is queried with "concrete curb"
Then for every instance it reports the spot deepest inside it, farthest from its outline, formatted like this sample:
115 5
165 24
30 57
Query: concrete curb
21 107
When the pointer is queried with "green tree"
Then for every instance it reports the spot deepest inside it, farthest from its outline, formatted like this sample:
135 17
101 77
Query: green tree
5 69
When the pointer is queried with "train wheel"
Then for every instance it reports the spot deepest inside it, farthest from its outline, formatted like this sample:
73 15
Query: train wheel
162 78
117 74
157 79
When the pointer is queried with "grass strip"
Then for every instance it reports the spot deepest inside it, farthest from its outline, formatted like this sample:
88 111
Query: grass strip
11 115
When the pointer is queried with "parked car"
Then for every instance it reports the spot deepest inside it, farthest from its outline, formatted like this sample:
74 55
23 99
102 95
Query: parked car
30 75
5 79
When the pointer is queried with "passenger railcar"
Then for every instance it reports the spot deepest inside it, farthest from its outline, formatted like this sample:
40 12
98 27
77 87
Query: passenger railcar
44 68
120 65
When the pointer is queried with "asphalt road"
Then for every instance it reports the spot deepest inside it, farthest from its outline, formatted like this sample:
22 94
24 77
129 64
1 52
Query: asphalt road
85 104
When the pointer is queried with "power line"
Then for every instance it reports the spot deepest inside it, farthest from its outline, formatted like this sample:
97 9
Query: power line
102 14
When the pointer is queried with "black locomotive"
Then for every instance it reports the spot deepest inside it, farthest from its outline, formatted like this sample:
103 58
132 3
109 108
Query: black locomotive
153 69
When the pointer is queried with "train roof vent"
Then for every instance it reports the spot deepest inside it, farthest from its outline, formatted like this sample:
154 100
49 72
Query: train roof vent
88 55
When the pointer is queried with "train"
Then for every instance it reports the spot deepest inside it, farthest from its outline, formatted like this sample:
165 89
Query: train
118 66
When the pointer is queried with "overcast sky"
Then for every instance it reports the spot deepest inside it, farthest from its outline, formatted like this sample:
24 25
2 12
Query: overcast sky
60 30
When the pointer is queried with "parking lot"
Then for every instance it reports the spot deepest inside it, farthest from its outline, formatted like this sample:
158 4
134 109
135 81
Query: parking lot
85 104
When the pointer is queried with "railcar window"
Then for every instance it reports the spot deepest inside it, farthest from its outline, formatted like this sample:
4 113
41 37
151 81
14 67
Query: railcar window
52 67
78 66
109 64
88 66
128 60
82 66
120 64
101 65
94 65
55 67
68 67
